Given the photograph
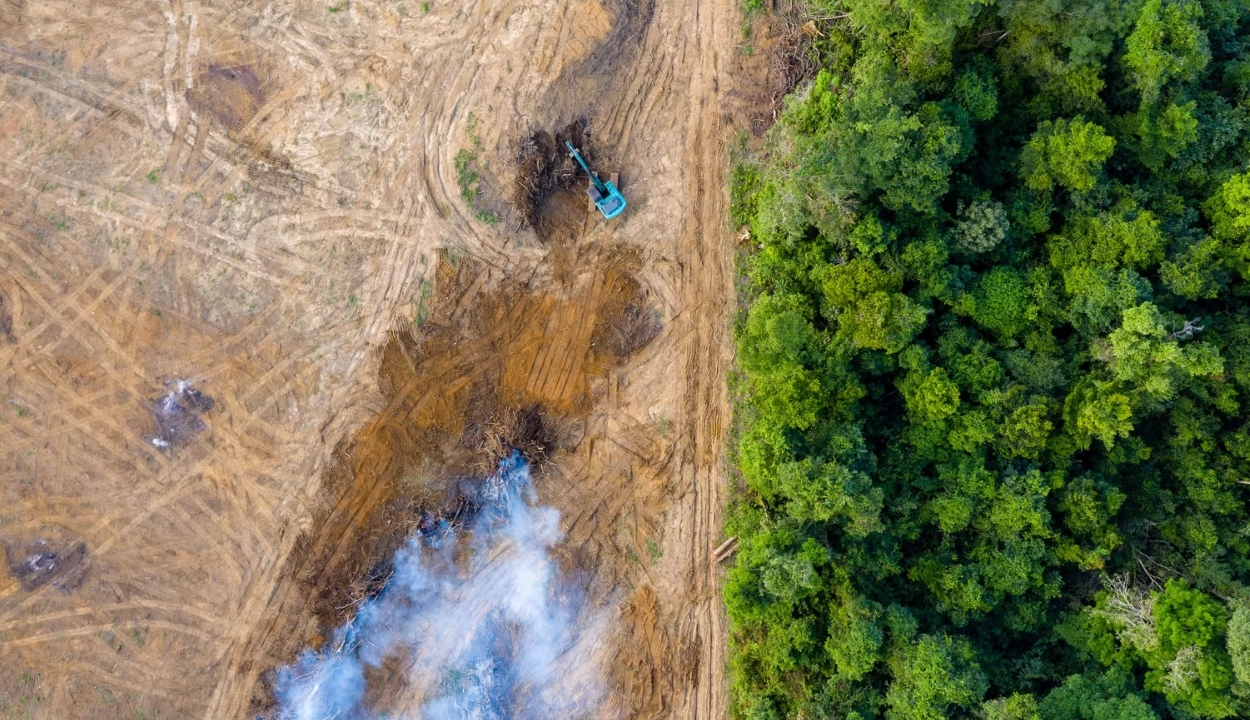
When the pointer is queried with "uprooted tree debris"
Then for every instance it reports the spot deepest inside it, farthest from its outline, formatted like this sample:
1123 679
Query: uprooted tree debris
544 168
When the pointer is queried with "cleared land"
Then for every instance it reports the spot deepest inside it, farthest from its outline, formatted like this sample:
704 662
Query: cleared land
269 200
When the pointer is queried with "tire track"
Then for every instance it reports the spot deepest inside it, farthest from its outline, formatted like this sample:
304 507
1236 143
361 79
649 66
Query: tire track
293 376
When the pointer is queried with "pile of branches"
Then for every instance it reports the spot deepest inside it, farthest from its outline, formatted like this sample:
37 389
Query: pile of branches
544 168
793 62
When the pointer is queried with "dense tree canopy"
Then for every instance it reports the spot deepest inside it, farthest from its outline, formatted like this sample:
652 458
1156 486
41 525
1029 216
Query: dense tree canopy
994 401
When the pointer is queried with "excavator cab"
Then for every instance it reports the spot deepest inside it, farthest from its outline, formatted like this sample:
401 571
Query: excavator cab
604 194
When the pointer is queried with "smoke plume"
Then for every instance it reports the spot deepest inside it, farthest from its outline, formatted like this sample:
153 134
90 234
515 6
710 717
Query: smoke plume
501 635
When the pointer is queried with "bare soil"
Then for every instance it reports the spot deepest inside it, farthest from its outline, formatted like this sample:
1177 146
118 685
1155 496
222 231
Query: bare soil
262 201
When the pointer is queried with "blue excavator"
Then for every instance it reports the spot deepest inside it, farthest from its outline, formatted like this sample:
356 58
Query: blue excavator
603 194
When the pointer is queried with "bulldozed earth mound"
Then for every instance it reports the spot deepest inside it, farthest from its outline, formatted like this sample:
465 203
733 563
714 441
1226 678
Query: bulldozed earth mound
275 282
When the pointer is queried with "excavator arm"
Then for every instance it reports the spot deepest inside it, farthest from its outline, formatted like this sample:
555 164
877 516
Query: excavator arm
606 197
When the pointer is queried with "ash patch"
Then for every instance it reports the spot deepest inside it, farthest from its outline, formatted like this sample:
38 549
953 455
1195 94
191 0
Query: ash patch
178 414
634 328
6 323
230 94
53 557
628 320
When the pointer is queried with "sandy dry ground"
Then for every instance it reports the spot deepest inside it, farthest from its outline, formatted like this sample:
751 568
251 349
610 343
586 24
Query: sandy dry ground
262 198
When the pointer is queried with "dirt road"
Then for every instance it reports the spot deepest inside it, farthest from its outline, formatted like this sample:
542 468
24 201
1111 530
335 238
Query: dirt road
260 199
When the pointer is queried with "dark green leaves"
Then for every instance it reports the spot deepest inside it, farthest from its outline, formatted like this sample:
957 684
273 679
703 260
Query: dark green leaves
1002 302
1106 697
995 356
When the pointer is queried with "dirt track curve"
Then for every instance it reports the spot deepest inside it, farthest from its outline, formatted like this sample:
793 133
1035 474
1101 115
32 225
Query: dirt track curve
256 197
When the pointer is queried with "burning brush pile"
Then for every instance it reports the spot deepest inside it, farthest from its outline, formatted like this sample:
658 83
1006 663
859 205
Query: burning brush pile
178 414
476 501
54 555
476 618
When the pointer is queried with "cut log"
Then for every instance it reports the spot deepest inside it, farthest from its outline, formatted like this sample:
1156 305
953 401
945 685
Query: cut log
725 551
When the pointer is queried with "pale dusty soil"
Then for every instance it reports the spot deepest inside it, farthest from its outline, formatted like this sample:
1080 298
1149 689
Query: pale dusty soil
262 197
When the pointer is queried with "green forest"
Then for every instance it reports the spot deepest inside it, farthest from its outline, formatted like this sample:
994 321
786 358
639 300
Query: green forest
993 387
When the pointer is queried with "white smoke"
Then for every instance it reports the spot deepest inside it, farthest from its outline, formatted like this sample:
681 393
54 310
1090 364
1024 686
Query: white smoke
504 637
